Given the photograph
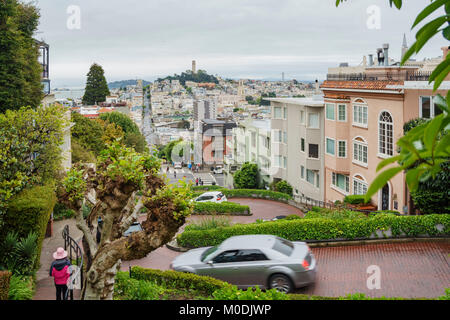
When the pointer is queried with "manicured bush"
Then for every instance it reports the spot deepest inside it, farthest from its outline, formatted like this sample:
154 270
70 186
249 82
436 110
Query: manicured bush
247 177
256 193
29 212
233 293
334 214
210 223
354 199
5 278
180 280
131 289
207 188
327 229
283 187
212 208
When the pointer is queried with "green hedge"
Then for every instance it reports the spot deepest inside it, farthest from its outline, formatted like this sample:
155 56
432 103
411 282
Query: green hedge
179 280
354 199
212 208
29 211
325 229
243 193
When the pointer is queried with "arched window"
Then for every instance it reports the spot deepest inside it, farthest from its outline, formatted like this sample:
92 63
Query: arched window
386 134
359 185
360 151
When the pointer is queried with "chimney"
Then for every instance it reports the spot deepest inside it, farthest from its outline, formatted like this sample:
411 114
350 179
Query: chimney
370 60
386 54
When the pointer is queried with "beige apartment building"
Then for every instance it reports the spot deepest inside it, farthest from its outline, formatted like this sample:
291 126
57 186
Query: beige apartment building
364 117
297 144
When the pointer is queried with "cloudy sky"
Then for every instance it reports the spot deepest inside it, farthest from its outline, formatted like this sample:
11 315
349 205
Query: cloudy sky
257 39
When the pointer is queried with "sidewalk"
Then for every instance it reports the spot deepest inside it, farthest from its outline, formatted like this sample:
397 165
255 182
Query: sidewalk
45 288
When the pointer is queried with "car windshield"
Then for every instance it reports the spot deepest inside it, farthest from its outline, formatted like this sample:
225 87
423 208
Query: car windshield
205 198
208 252
283 246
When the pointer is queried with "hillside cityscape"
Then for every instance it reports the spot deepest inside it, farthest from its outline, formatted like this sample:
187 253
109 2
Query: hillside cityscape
198 186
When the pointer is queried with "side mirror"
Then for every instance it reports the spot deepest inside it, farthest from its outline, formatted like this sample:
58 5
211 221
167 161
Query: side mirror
210 262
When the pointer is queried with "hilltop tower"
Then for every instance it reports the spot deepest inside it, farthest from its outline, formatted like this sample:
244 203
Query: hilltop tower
194 66
404 47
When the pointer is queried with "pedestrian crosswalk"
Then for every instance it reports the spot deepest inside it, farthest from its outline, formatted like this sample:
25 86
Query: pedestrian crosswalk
207 178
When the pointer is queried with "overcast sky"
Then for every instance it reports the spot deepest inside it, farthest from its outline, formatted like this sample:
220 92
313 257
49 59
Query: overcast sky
257 39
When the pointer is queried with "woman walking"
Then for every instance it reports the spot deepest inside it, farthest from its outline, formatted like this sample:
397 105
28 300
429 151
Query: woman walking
60 271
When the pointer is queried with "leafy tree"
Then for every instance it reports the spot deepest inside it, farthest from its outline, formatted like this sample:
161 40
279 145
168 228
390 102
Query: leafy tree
88 133
199 76
96 86
425 150
282 186
121 120
121 177
247 177
136 141
30 148
20 74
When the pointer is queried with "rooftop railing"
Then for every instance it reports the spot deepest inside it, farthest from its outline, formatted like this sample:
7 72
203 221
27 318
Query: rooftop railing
382 76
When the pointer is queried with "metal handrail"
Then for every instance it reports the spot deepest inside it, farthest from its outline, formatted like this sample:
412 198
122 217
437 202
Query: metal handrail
73 247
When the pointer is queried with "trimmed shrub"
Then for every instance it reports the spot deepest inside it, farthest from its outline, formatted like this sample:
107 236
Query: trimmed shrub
5 278
212 208
131 289
354 199
29 212
283 187
233 293
256 193
326 229
207 188
210 223
179 280
334 214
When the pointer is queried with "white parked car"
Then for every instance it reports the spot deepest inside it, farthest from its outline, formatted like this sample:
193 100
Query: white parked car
177 165
213 196
218 170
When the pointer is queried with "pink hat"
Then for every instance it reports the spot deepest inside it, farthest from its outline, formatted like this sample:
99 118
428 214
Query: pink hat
60 254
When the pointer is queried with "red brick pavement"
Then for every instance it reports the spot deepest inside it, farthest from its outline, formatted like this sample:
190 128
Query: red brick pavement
409 270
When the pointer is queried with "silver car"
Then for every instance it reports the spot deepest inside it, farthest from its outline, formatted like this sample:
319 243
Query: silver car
253 260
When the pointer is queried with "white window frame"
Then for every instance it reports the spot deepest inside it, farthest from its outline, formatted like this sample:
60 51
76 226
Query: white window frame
318 120
380 154
318 151
338 150
304 145
275 114
333 105
326 146
313 175
277 133
362 144
302 172
334 185
364 106
433 107
362 183
345 112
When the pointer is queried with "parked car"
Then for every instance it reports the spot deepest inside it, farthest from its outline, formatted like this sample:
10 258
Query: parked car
177 165
218 170
213 196
253 260
135 227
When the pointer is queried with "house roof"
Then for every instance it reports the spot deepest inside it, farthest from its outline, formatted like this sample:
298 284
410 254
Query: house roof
362 85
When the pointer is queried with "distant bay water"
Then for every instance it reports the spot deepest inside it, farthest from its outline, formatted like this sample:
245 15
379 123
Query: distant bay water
69 93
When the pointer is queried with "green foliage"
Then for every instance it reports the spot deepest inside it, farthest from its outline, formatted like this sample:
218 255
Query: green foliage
325 229
20 75
209 223
282 186
87 133
199 76
29 212
178 195
132 289
30 151
61 212
355 199
180 280
334 214
20 288
81 154
5 278
212 208
233 293
96 86
411 124
122 120
255 193
136 141
74 184
167 151
247 177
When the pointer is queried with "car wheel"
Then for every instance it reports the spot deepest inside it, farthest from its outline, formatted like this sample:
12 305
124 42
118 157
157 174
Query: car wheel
281 282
